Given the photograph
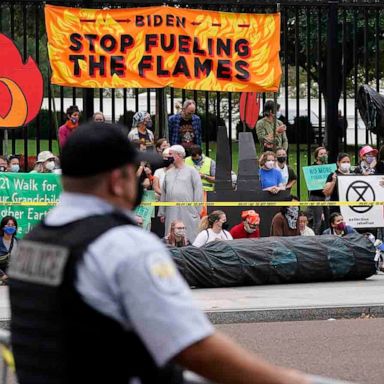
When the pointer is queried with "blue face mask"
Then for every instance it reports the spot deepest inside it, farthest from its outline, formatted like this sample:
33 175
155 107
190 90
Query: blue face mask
196 161
9 230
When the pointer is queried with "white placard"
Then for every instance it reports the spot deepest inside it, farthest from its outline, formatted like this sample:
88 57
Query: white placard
362 188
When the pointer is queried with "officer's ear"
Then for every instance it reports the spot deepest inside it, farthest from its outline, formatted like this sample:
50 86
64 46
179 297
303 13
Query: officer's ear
120 178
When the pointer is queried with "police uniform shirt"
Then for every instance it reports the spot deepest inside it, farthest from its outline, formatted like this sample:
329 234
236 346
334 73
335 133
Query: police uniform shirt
128 275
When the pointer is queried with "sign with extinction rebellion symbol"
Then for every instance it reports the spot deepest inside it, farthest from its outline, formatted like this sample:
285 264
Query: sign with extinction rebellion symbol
362 189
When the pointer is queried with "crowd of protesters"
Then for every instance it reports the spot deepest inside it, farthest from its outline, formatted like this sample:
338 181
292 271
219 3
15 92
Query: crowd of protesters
187 175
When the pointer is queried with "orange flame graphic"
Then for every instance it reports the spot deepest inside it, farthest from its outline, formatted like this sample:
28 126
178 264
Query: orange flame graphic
21 86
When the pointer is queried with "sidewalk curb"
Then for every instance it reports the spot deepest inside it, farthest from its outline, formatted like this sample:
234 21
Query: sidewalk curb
294 314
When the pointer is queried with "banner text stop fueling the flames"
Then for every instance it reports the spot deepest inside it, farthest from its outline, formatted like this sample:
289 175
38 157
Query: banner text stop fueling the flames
155 47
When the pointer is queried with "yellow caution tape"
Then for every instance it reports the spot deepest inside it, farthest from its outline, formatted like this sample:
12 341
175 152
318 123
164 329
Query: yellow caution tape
225 203
262 203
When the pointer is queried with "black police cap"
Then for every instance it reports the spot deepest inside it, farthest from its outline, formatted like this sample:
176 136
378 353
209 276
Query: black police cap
95 148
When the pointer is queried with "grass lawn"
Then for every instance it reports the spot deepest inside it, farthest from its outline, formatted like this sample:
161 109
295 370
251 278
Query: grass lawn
32 149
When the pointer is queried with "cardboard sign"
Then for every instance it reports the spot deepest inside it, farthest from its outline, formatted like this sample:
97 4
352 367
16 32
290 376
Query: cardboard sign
156 47
362 188
316 175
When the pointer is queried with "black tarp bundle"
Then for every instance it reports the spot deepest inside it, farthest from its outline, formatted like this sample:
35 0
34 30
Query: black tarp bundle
371 108
276 260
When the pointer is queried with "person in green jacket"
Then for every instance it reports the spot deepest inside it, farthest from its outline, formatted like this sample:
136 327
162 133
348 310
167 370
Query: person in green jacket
265 127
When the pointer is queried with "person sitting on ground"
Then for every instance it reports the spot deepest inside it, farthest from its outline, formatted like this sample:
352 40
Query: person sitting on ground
249 227
367 161
288 174
13 164
271 179
337 226
98 117
8 244
140 129
204 165
160 145
45 163
331 189
71 123
177 236
303 225
212 228
285 223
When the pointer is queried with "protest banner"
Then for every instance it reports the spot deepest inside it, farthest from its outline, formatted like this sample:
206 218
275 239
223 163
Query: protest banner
146 212
18 190
316 175
156 47
362 188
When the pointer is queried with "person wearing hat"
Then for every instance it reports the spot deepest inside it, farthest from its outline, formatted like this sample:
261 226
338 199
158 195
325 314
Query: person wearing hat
249 227
140 129
367 161
45 163
96 299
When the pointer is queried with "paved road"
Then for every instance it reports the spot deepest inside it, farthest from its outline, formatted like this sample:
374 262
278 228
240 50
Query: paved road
343 349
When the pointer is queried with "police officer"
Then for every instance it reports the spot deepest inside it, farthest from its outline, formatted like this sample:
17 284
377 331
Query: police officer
95 299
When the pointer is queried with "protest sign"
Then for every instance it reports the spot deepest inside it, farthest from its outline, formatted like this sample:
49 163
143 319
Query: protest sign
316 175
156 47
362 188
146 212
19 192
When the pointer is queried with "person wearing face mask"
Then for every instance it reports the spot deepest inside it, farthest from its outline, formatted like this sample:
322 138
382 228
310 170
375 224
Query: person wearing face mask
71 123
177 235
288 174
140 129
112 286
204 165
331 189
185 127
318 215
13 164
45 163
8 244
337 226
271 179
248 228
181 183
368 161
159 175
212 228
285 223
265 129
3 164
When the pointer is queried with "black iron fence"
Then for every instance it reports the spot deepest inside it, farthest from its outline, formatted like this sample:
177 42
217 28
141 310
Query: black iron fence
328 49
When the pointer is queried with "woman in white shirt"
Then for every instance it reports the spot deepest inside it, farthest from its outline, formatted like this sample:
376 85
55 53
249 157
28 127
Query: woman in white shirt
212 228
159 175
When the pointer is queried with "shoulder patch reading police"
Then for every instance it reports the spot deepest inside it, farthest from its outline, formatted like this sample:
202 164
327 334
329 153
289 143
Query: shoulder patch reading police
39 263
